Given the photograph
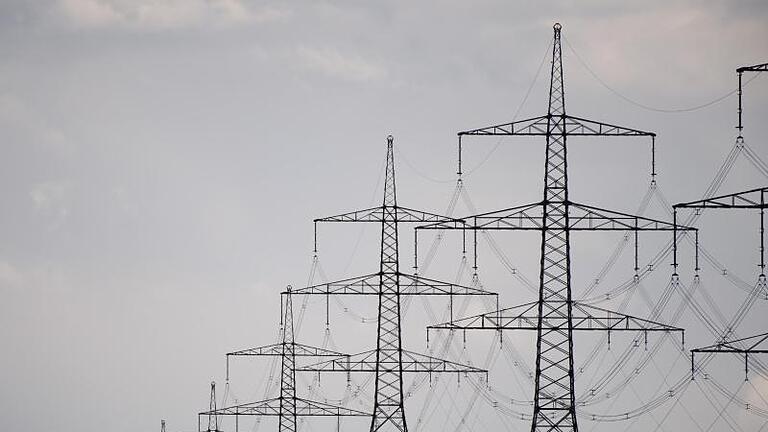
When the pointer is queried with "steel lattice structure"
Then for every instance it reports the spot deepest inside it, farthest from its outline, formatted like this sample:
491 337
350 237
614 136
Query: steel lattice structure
213 419
287 406
748 345
754 199
556 315
389 360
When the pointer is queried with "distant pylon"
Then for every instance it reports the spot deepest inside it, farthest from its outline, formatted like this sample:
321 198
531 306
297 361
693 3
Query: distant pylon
213 419
389 361
287 406
162 425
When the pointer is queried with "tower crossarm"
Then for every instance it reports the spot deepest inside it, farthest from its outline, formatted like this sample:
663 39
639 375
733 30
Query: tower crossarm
359 285
585 317
747 345
575 126
755 68
409 285
584 217
751 199
744 346
530 126
524 217
586 127
271 407
299 350
412 362
581 217
377 214
419 285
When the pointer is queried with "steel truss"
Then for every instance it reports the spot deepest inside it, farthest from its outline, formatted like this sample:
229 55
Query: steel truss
753 199
213 419
555 315
748 345
581 217
287 406
583 317
411 362
389 361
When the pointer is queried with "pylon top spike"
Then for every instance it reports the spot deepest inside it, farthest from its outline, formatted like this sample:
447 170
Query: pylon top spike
557 26
390 198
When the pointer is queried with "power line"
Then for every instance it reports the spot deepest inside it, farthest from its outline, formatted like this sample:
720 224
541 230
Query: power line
648 107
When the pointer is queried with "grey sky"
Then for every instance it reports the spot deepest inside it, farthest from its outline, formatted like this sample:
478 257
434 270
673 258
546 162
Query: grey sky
161 162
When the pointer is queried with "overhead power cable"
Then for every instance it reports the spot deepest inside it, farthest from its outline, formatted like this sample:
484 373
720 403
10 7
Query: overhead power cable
709 103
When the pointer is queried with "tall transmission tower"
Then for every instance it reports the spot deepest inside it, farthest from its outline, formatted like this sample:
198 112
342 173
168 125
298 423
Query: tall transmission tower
287 406
162 425
556 315
389 360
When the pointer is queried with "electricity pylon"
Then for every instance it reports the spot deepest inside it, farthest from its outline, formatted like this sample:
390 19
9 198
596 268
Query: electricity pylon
389 360
754 199
213 419
287 406
556 315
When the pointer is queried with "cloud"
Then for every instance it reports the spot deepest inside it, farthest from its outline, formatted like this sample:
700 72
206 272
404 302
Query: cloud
51 198
331 62
10 277
657 49
164 14
90 13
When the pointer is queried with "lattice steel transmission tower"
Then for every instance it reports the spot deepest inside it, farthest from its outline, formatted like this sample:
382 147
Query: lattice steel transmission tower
556 315
287 406
389 360
213 419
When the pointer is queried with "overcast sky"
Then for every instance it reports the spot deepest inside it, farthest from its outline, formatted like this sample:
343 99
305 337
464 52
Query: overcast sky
161 162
